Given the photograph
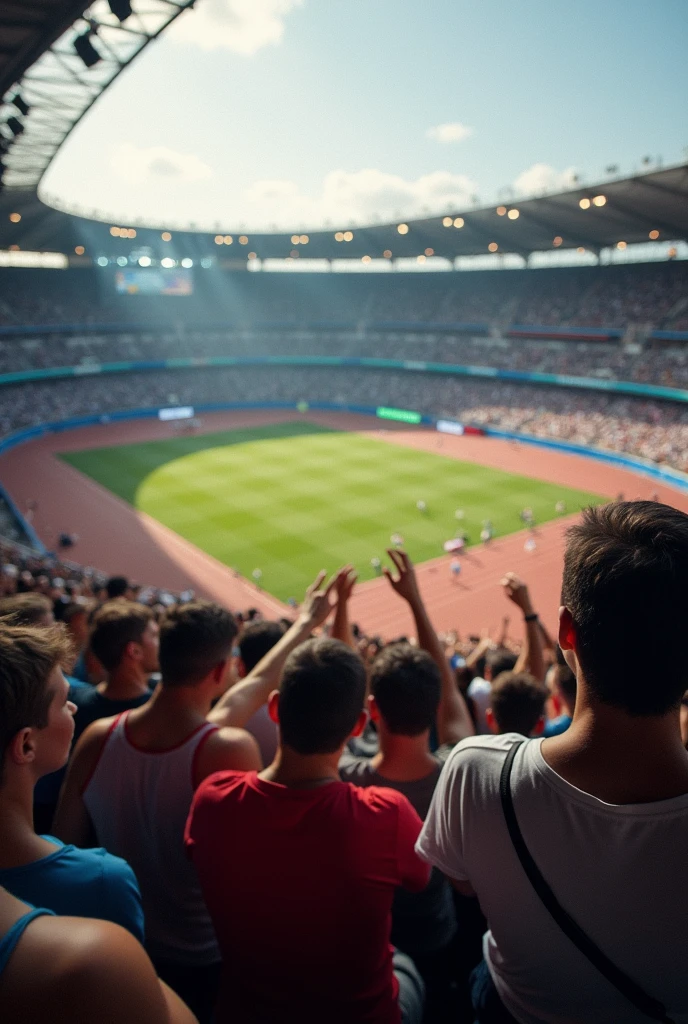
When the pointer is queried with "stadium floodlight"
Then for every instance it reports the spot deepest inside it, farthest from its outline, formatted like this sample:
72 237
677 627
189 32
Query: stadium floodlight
167 262
120 8
15 126
145 261
102 261
187 263
21 104
86 50
122 261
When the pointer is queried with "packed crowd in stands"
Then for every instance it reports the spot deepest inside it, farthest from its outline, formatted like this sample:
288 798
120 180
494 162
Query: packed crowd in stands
649 294
242 821
666 365
657 431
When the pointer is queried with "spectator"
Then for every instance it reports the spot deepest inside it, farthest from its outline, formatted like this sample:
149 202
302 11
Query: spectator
125 640
32 609
80 971
75 615
517 704
131 782
341 852
118 587
619 771
497 660
411 692
563 684
259 637
36 726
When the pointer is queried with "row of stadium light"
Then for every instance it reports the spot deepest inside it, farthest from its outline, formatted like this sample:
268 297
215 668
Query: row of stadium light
347 236
147 261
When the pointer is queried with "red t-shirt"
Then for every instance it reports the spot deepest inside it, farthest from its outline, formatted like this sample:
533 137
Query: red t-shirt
299 884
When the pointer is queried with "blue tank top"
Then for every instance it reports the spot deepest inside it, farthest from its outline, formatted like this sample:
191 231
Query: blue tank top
9 941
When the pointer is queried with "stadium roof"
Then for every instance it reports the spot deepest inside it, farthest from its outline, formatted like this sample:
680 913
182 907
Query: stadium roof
641 208
47 87
57 57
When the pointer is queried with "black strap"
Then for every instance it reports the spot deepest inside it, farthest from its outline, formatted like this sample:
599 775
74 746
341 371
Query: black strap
622 983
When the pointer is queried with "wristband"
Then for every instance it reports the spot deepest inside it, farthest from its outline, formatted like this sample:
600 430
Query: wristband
530 618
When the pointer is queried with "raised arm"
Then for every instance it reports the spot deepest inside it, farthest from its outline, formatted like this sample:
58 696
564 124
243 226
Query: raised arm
240 703
344 585
530 657
453 719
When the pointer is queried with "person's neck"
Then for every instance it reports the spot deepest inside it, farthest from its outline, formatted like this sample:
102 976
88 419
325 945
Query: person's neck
302 771
126 682
403 758
169 716
20 845
620 758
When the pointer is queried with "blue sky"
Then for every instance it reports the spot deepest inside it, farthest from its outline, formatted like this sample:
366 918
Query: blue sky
305 112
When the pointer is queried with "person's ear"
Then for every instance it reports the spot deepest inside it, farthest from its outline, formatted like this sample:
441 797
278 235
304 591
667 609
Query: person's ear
22 748
134 650
567 630
273 706
219 670
373 709
360 724
539 726
491 720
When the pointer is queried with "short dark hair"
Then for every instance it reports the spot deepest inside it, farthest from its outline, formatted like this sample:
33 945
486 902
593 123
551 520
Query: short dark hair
25 609
116 586
500 660
625 572
257 639
115 625
518 702
194 638
28 654
406 684
322 693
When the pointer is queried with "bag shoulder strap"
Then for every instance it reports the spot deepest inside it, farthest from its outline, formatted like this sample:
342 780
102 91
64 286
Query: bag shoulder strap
651 1007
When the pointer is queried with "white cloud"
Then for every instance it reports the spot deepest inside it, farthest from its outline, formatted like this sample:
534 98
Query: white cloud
140 164
454 131
544 178
350 196
242 26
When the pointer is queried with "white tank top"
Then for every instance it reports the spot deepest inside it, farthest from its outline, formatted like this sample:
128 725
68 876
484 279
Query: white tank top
138 801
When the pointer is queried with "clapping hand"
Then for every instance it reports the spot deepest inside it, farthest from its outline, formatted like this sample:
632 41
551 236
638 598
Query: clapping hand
405 583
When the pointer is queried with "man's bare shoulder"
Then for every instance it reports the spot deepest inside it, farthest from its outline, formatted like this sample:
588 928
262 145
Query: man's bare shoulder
227 749
88 969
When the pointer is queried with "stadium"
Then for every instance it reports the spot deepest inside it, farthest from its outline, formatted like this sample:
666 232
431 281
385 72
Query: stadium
222 413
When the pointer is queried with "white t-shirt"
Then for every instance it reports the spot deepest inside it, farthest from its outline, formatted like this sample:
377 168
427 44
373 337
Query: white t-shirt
619 870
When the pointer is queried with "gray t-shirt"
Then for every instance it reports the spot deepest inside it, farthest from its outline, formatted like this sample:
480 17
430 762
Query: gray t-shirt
422 922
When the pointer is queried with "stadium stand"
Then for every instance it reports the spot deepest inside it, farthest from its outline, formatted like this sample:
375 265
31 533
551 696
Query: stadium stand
262 889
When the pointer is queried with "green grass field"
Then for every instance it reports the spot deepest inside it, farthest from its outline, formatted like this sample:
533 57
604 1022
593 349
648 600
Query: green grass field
294 498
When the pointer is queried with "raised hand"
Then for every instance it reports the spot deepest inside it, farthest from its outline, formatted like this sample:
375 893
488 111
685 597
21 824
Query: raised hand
316 604
405 583
517 591
344 583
